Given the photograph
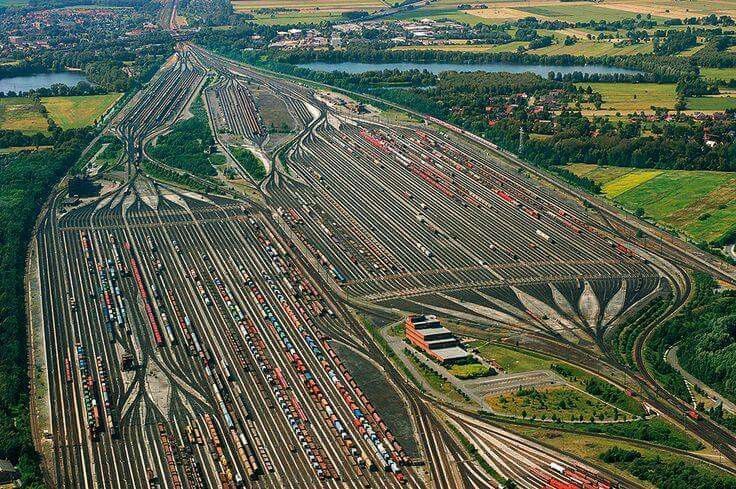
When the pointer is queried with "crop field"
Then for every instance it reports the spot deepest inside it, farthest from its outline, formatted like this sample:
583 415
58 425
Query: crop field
675 8
700 204
20 114
578 12
502 11
632 97
75 112
712 104
468 48
585 47
306 11
567 403
718 74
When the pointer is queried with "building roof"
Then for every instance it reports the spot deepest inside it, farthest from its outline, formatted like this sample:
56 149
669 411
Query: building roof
433 331
6 466
423 320
450 353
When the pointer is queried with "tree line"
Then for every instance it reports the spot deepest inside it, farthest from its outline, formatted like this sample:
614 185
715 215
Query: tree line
26 180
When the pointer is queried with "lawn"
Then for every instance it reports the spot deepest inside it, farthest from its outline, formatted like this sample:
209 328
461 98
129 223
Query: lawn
469 371
80 111
20 114
632 97
542 403
701 204
513 361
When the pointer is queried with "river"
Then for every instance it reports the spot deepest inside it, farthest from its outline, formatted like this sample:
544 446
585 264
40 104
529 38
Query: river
40 80
542 70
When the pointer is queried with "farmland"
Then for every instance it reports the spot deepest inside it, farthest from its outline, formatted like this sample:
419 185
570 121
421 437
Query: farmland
700 204
466 48
21 114
586 47
578 12
626 98
718 74
75 112
306 11
631 97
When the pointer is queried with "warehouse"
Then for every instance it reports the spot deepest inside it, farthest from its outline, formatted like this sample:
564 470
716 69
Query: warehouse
426 333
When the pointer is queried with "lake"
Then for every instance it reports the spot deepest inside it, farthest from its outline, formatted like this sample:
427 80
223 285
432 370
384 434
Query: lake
542 70
40 80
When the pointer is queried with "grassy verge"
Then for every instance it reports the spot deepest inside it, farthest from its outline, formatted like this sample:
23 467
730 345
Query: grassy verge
436 381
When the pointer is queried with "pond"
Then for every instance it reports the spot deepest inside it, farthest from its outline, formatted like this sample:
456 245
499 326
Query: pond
542 70
40 80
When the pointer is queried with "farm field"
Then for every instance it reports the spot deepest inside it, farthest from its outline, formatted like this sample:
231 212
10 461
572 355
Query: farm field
467 48
711 104
631 97
637 97
718 74
578 12
501 11
75 112
306 11
20 114
585 47
700 204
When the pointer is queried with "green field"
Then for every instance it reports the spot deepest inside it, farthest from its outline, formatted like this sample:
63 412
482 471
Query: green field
566 403
718 74
304 11
21 114
715 103
76 112
632 97
700 204
636 97
513 361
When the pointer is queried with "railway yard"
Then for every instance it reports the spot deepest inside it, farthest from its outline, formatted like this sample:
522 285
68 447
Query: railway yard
196 340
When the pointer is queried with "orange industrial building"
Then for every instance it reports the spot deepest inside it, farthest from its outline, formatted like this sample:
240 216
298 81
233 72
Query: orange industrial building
426 332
